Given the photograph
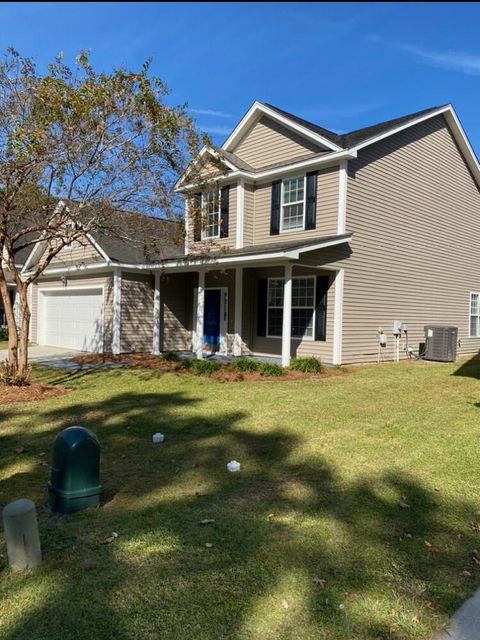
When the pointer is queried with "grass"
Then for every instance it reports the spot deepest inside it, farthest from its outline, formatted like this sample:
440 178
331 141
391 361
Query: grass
344 479
3 344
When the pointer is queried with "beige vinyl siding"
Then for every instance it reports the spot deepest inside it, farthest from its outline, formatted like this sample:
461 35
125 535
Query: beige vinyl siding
77 253
248 214
414 210
273 346
136 317
268 142
176 295
327 211
204 246
73 282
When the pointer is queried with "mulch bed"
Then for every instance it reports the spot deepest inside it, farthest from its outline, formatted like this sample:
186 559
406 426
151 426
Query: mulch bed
33 392
224 374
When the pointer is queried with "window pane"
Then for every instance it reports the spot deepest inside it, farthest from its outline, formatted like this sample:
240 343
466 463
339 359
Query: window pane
211 212
302 292
275 293
275 322
474 303
293 217
292 190
474 326
302 323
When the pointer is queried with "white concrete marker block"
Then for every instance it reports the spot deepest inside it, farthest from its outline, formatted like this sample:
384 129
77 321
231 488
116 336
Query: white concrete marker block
21 535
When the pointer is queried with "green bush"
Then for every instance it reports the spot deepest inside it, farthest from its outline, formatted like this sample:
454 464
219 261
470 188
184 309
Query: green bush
185 364
3 333
266 369
170 356
306 365
245 365
204 367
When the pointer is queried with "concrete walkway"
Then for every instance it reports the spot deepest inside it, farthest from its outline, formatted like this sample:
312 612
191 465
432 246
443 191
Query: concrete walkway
57 357
465 624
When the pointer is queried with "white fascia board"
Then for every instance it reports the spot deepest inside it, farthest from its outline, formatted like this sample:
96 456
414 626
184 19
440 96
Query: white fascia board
96 246
204 151
318 161
401 127
257 110
189 263
455 126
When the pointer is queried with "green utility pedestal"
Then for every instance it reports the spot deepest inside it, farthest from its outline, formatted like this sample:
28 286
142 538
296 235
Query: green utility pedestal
75 479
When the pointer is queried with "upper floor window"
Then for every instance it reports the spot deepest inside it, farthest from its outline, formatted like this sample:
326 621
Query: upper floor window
210 215
474 315
293 204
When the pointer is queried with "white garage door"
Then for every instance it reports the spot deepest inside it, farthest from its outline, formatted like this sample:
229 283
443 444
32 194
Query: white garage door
71 319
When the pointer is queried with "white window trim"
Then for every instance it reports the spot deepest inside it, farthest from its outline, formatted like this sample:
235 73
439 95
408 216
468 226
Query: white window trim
283 205
203 215
300 338
470 314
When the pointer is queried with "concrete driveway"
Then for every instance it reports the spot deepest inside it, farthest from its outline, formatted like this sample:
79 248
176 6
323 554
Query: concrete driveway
49 356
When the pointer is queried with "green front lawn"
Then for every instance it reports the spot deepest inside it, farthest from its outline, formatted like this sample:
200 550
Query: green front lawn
368 481
3 344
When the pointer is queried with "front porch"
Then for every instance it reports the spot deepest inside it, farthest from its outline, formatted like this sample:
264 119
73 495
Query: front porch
273 312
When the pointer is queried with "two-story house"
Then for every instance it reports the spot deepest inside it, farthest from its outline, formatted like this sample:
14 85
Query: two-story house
300 241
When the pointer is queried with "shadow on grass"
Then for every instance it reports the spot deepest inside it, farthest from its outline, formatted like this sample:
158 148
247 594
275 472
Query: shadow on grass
276 525
470 368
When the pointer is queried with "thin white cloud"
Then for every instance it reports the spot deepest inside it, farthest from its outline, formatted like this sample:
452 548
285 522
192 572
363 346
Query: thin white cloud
468 63
451 60
216 130
211 112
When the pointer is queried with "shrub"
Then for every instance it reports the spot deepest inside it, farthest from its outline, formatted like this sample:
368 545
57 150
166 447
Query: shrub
3 333
170 356
204 367
245 365
306 365
7 376
267 369
184 364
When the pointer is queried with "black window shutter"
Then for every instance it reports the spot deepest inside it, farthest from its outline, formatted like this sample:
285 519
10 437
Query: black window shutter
311 201
224 206
321 308
262 307
275 212
197 217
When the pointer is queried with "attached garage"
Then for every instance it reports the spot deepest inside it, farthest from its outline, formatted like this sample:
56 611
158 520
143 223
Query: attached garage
72 319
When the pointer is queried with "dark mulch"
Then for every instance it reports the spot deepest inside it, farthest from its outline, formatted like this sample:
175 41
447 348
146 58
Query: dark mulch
224 374
29 393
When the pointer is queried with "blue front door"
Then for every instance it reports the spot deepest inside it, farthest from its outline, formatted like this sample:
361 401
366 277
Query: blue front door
211 322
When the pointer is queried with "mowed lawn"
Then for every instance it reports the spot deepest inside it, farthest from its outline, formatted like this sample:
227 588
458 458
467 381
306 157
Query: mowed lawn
355 514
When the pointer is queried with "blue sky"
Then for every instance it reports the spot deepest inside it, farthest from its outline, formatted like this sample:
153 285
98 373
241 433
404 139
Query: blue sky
343 66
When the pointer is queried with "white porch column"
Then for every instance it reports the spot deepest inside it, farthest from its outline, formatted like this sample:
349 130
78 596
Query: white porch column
237 340
240 213
200 314
156 316
117 309
287 316
338 318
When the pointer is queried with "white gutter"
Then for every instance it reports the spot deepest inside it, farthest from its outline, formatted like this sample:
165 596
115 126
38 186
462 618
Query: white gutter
186 263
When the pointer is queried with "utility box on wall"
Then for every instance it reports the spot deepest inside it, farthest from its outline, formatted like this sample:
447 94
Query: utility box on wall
75 479
441 343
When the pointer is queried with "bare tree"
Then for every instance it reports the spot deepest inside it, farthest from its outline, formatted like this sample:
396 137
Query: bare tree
75 145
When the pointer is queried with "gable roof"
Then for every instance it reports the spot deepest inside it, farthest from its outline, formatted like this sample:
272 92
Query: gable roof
137 239
358 136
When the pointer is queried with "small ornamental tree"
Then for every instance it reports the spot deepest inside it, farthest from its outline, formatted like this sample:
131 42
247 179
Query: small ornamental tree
75 145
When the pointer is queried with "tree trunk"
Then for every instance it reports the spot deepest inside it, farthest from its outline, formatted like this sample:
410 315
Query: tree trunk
22 358
11 325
